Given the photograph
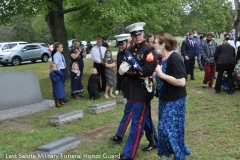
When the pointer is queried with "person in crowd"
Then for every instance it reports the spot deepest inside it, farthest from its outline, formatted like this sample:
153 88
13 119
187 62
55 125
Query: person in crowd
76 85
171 84
150 39
197 41
57 85
76 55
234 36
109 72
186 38
208 48
189 50
53 52
105 44
136 93
159 54
93 84
238 43
238 51
227 37
225 60
123 41
97 53
59 59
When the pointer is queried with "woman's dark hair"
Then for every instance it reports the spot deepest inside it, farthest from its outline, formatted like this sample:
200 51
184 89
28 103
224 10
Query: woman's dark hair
108 50
149 36
227 34
169 40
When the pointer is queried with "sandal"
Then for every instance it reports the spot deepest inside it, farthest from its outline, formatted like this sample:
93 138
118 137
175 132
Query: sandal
112 95
106 96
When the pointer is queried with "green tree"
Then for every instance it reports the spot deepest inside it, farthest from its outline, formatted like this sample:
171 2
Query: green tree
205 15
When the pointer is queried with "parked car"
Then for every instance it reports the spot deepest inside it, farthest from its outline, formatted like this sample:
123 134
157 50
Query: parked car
45 45
25 52
9 45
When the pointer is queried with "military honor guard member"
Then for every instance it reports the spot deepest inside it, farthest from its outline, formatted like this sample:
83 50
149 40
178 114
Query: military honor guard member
136 89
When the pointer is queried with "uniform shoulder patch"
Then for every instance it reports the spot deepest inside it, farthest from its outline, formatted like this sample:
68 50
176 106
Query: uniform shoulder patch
150 57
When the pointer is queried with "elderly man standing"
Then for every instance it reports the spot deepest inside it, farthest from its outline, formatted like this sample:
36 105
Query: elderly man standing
135 91
97 53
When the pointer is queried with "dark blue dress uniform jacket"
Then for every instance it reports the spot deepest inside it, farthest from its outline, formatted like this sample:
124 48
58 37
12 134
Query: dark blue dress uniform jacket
134 87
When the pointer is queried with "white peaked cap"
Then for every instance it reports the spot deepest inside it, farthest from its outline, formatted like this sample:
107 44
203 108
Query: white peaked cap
121 38
136 28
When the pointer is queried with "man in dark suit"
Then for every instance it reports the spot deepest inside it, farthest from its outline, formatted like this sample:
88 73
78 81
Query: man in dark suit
190 55
234 36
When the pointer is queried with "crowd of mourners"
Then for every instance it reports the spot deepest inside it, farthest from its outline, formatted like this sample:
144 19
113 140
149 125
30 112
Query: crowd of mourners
141 63
213 58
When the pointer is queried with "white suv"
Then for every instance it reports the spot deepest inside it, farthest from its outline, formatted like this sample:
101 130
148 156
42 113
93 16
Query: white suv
9 45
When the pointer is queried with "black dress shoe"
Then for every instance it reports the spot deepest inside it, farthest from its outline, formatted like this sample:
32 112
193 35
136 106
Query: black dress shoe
230 92
192 78
149 148
116 139
217 91
123 157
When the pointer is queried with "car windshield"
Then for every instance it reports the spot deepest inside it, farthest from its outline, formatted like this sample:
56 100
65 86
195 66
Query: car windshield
16 48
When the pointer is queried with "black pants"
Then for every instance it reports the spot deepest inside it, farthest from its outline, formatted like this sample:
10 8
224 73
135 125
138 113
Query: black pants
189 65
221 68
101 72
119 82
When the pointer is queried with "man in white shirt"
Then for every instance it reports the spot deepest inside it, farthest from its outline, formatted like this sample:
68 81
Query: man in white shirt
97 53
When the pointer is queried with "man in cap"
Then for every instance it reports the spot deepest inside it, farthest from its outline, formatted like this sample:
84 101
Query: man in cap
123 41
138 98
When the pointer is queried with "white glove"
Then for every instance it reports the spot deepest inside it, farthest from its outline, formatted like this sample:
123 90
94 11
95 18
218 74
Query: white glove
124 67
116 92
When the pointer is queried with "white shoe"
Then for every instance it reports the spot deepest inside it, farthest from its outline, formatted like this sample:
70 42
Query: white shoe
204 86
116 92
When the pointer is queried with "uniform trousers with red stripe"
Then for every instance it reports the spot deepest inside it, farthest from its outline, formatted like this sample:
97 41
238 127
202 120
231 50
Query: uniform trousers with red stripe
138 113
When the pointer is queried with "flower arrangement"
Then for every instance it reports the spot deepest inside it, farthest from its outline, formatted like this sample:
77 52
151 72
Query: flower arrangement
236 76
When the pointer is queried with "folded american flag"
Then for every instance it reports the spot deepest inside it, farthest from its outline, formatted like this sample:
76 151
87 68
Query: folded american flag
128 57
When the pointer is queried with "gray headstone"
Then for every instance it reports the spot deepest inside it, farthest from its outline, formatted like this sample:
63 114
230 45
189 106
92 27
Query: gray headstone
26 110
19 88
102 107
121 100
58 147
66 117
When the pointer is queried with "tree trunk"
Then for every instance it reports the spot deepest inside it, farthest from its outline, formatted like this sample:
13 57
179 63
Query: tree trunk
236 18
55 21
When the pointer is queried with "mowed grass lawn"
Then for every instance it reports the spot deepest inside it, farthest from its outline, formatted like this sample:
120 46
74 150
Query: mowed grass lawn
212 129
